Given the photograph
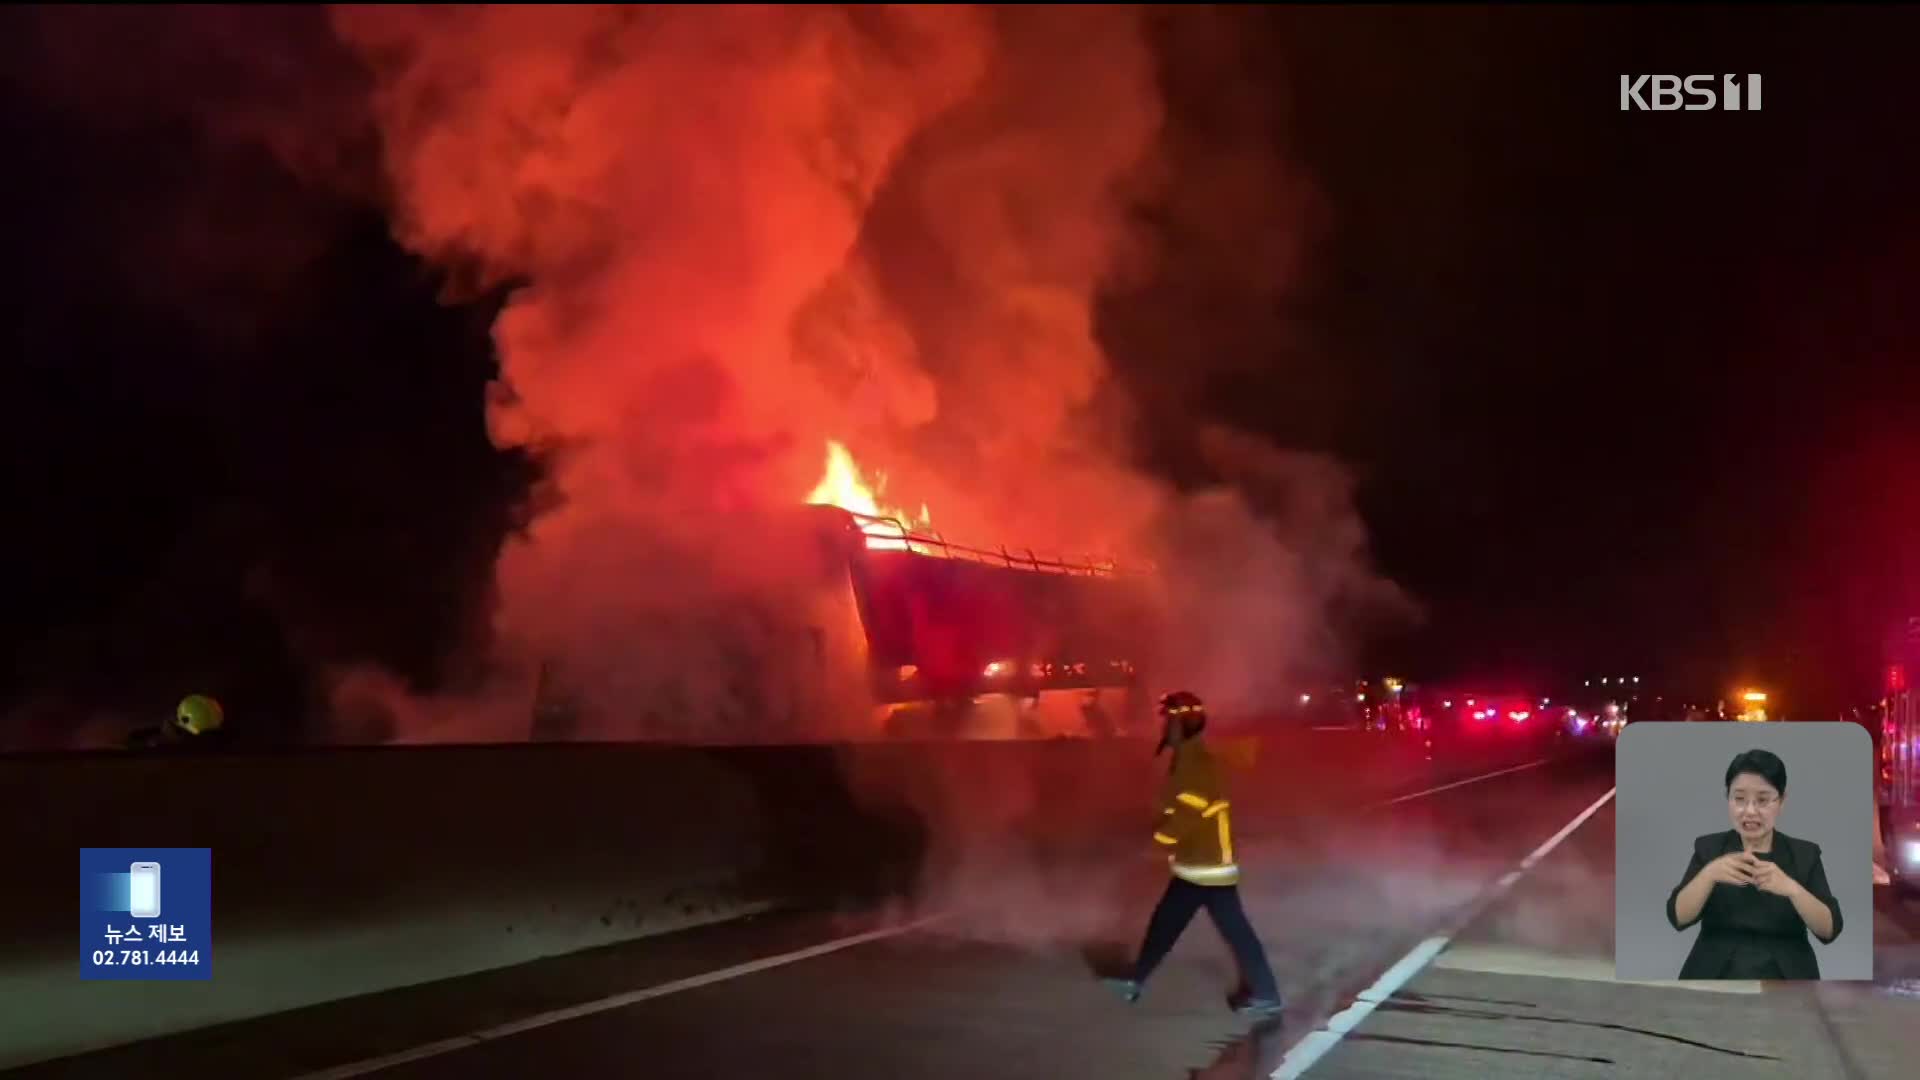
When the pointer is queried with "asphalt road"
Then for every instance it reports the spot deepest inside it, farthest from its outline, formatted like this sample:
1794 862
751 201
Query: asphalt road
1004 984
1527 990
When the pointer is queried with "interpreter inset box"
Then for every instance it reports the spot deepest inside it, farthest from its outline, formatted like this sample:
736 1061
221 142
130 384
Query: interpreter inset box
1743 851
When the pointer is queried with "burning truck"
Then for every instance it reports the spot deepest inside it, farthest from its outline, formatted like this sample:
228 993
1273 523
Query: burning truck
957 639
895 631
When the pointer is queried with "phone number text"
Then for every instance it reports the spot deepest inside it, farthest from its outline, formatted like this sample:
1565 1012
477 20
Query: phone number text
137 957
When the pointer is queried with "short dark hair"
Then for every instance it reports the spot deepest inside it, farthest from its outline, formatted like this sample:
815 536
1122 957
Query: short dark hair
1762 763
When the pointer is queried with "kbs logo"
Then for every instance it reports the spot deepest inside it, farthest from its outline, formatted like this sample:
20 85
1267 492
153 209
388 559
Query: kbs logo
1663 93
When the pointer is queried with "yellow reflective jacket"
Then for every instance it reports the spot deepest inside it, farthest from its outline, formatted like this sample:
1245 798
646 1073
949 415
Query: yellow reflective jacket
1194 824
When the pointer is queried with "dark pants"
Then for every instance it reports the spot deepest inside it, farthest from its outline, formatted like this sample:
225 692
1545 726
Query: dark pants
1175 911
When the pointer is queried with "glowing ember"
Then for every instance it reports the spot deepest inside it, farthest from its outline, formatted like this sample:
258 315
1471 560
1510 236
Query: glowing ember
844 486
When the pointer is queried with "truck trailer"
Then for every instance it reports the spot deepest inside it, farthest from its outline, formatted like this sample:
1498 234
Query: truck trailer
899 632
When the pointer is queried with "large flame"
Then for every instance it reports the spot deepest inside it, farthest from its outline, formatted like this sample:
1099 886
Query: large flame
844 486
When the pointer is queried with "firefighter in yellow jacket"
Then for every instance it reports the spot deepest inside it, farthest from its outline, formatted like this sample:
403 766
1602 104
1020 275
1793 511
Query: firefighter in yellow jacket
1196 830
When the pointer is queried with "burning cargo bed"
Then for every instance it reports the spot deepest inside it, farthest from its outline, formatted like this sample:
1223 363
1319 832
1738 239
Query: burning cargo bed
944 621
893 632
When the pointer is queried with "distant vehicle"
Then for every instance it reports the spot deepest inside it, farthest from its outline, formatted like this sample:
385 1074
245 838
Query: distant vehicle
1751 707
1587 724
1482 716
1382 705
1897 765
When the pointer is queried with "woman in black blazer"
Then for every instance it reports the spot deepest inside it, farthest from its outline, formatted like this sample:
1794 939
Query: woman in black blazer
1755 890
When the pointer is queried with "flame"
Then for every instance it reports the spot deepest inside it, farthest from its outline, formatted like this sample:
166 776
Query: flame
844 486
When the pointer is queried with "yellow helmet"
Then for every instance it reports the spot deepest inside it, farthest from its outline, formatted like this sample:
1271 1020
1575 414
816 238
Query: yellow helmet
198 714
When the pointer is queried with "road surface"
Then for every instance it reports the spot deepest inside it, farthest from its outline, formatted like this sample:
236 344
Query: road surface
1002 981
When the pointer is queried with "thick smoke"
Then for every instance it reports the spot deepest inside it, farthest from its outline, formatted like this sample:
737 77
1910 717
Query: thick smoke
741 234
1266 575
993 251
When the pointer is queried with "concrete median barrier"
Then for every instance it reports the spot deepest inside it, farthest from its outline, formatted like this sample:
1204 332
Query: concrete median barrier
349 871
344 872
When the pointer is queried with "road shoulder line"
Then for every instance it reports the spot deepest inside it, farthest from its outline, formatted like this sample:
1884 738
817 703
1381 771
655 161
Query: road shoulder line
1305 1053
1457 783
616 1001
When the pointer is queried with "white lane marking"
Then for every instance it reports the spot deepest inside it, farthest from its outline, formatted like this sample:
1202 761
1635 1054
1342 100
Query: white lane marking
617 1001
1455 784
475 1038
1303 1055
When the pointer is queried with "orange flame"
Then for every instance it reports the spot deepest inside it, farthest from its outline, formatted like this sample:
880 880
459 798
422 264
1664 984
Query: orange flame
844 486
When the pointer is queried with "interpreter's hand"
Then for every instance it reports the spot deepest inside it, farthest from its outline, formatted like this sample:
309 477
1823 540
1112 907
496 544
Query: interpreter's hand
1771 878
1736 868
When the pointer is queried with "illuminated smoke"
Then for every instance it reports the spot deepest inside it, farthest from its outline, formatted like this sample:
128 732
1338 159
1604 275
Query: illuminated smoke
697 202
742 233
1266 576
981 248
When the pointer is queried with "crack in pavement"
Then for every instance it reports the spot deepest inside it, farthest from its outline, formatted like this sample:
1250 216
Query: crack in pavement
1361 1036
1398 1004
1411 996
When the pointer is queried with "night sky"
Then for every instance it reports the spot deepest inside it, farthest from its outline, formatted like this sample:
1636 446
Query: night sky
1629 392
1624 392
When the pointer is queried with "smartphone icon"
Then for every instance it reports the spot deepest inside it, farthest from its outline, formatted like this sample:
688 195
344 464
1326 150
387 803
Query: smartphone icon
145 891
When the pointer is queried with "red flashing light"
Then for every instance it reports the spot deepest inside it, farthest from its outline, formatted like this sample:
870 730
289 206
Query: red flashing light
1897 677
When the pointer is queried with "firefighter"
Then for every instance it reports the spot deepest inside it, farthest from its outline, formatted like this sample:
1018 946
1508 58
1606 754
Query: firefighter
1196 832
198 720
